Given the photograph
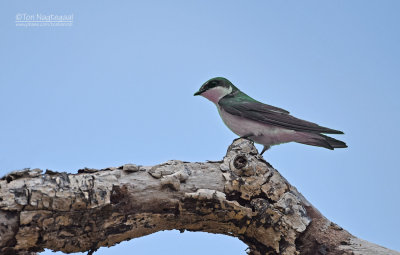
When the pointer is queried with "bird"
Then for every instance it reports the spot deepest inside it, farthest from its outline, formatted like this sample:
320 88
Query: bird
262 123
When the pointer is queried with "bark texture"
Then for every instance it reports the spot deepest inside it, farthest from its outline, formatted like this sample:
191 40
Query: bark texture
241 196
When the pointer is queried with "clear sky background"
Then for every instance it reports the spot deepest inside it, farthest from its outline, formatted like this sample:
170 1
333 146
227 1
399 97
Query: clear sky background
117 87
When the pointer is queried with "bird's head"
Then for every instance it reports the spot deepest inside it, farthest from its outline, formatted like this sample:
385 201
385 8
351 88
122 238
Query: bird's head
215 89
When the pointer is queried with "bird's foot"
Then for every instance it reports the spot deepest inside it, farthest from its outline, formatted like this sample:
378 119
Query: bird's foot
265 149
247 137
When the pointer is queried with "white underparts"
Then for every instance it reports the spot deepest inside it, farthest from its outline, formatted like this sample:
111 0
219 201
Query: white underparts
260 133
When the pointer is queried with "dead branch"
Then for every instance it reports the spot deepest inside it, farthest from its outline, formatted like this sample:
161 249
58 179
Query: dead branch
241 196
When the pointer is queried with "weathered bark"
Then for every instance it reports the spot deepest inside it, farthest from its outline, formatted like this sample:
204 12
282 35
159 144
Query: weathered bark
241 196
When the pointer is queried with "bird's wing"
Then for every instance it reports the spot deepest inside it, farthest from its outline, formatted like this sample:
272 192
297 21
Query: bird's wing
254 110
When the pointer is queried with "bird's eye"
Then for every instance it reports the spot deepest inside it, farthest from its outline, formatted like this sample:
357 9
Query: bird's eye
213 84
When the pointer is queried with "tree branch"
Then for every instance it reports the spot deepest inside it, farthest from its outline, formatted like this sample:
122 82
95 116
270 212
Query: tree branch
241 196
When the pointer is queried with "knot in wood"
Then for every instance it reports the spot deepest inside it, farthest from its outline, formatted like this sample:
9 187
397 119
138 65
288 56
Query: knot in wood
242 165
240 161
118 194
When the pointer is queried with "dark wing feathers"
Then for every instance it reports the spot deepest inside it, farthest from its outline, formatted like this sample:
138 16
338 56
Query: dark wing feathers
268 114
267 107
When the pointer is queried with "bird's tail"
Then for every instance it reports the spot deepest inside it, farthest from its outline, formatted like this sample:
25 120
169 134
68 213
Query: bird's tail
323 141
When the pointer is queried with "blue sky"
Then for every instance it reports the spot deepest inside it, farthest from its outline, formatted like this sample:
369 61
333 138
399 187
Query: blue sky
117 87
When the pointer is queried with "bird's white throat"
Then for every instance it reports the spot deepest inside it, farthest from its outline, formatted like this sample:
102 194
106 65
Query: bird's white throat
215 94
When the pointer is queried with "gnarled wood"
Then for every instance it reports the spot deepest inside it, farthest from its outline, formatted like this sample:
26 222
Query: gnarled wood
241 196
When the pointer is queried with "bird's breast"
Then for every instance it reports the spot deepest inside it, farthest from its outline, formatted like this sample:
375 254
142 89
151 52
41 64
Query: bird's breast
262 133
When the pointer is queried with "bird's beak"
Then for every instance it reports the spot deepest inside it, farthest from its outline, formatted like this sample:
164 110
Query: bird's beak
198 93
